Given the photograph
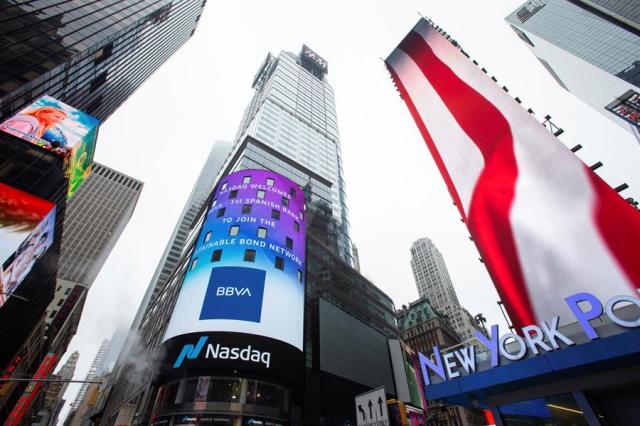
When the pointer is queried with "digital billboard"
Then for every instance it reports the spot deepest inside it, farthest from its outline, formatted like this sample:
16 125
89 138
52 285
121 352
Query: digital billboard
27 225
241 304
546 225
55 126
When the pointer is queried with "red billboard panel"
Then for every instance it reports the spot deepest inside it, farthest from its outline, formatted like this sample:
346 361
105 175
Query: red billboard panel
546 226
46 366
27 226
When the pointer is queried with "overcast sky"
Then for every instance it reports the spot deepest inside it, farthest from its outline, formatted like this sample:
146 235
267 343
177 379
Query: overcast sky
395 194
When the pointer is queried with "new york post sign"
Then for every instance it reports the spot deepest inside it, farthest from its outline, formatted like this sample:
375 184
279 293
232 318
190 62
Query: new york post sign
532 340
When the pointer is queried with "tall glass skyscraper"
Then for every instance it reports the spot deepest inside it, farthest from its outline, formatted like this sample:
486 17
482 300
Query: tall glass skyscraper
591 48
90 55
289 128
293 117
93 56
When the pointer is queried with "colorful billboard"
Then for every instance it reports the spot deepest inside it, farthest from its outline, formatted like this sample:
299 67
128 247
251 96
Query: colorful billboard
22 406
241 305
27 225
59 128
545 225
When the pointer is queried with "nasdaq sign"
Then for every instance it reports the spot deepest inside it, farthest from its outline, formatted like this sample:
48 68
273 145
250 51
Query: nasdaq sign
241 303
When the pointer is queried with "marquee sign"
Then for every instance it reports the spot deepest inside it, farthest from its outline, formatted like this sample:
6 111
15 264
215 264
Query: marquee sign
533 339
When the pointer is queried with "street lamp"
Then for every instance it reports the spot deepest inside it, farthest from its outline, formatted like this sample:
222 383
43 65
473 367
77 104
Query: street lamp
504 314
481 321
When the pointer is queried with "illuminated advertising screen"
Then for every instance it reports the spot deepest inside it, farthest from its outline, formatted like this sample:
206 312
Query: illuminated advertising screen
241 305
55 126
545 224
27 225
414 376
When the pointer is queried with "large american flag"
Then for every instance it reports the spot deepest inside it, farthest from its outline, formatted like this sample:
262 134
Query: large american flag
544 223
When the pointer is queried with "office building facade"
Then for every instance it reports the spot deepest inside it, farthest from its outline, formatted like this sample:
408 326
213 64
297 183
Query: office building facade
591 48
95 219
423 328
75 416
298 140
91 56
434 284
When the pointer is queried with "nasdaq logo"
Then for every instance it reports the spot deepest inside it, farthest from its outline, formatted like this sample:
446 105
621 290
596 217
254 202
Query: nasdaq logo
234 293
190 351
246 354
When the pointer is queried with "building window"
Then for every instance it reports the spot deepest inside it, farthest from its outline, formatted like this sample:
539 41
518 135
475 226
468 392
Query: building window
98 81
60 302
260 193
53 314
269 182
262 232
246 180
207 236
285 201
233 230
279 263
246 209
194 263
233 194
249 255
299 275
217 255
296 226
103 53
221 212
289 243
275 214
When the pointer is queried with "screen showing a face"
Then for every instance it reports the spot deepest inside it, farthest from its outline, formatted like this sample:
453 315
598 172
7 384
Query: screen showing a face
27 225
243 294
57 127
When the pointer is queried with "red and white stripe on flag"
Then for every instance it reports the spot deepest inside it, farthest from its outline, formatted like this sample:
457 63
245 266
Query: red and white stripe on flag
544 223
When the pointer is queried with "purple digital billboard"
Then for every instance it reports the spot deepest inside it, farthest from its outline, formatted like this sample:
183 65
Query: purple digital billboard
241 305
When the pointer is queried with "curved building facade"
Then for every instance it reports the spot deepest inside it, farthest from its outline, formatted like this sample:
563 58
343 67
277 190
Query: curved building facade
233 346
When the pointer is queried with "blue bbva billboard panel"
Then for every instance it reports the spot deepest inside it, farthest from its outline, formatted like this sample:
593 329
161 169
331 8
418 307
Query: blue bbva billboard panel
241 305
